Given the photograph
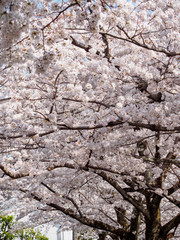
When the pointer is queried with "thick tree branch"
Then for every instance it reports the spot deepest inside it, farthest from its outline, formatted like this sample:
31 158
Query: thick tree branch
2 100
13 174
172 161
126 196
151 127
86 221
91 167
49 188
172 200
170 225
135 222
91 222
66 197
174 188
75 205
106 50
80 45
32 134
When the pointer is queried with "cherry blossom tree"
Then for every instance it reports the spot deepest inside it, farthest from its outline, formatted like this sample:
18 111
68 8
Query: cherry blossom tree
90 115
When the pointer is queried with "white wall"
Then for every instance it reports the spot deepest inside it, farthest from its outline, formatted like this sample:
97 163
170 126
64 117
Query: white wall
54 232
49 230
65 235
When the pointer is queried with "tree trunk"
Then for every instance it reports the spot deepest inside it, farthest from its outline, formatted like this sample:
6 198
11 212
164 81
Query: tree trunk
153 225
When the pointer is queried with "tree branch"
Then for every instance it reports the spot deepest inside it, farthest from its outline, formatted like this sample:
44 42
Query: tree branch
126 197
86 221
54 19
91 222
106 50
170 225
152 127
80 45
12 173
133 41
174 188
91 101
26 135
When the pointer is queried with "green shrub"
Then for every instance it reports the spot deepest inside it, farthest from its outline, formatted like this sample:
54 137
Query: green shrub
7 233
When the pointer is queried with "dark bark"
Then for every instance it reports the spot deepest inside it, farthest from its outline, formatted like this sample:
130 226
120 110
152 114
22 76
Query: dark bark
102 236
124 194
153 224
125 235
173 223
129 229
135 223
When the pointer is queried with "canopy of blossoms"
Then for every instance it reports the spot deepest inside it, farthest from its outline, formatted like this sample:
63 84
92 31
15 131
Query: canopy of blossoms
90 114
